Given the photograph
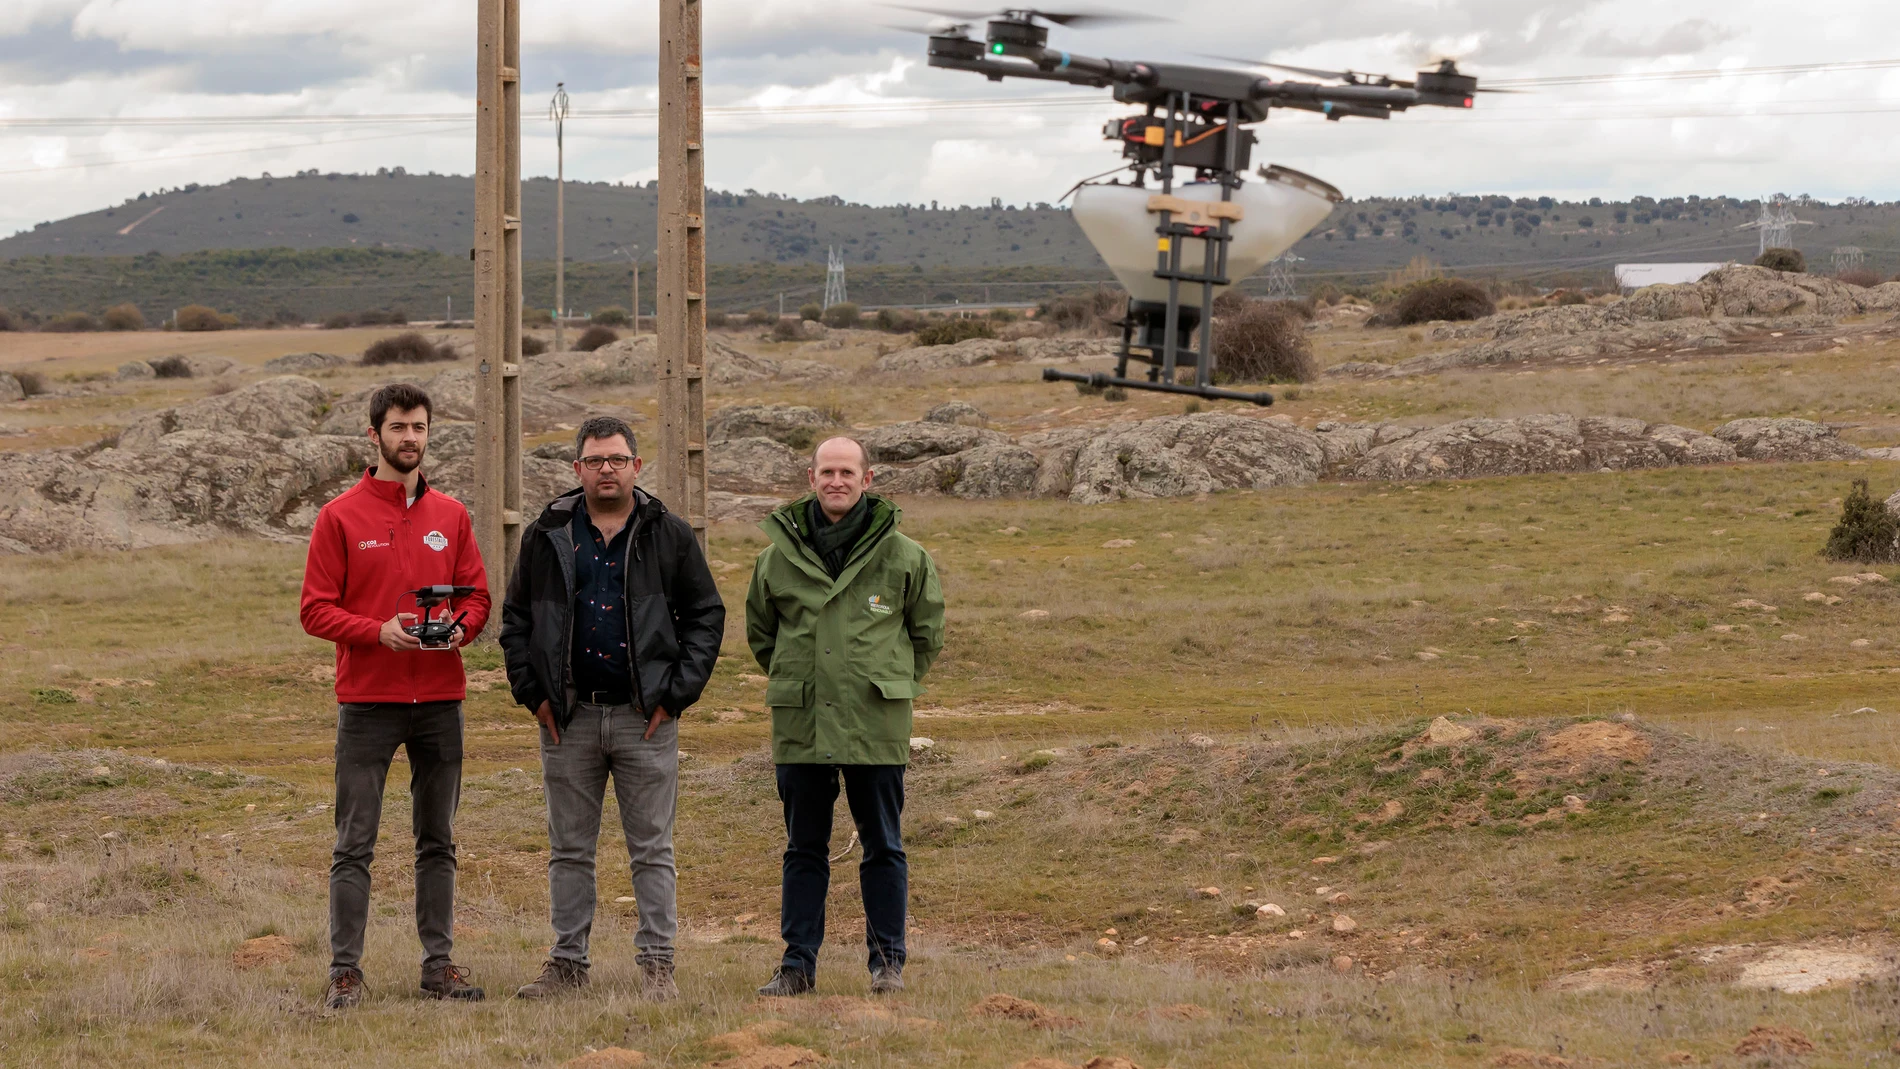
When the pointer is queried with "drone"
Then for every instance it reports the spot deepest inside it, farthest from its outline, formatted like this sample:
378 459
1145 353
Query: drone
1208 233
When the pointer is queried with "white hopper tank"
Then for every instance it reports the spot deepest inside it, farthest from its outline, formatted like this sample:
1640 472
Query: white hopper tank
1277 210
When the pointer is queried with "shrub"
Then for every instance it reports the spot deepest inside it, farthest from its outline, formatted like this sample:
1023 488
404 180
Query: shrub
1866 532
171 367
1095 310
952 331
32 383
1229 302
124 317
760 317
594 337
198 317
532 346
1441 298
409 348
716 319
841 315
339 321
382 317
1327 293
7 322
895 320
1264 342
1789 260
1572 297
788 328
611 316
69 323
1864 277
536 317
1004 315
811 310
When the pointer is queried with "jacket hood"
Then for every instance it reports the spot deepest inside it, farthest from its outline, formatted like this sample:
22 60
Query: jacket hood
560 511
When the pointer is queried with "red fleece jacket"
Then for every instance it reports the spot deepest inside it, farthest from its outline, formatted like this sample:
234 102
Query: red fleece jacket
367 551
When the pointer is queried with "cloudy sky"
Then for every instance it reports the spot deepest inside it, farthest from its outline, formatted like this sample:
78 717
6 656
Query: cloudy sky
120 75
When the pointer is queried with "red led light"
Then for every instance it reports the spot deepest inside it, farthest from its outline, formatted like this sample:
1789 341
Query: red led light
1467 102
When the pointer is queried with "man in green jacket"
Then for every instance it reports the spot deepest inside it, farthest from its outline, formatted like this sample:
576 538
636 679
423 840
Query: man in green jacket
846 616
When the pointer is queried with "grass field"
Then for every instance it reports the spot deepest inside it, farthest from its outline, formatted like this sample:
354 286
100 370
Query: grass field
1241 693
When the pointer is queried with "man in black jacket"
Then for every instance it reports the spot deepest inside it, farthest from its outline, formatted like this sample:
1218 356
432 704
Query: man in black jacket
610 629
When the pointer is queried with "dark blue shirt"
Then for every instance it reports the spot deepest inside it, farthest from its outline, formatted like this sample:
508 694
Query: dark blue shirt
601 657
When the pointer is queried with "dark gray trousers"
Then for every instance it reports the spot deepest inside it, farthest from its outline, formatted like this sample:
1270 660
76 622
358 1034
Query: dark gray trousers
367 736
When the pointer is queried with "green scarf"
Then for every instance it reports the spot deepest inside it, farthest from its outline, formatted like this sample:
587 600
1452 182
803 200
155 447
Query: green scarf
834 541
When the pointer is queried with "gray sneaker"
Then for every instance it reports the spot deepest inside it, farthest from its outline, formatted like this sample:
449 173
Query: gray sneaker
887 979
558 976
788 981
656 981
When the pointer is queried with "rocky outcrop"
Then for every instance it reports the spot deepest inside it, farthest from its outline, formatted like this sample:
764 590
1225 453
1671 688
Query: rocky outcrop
1176 456
634 362
1741 290
1785 439
922 440
1477 447
135 370
10 388
968 353
957 412
452 395
291 363
285 406
791 424
757 465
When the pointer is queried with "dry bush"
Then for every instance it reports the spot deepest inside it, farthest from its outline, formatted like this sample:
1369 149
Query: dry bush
1096 310
410 348
532 346
611 316
171 367
536 317
382 317
124 317
841 315
788 328
594 337
7 322
70 323
1789 260
338 321
811 310
952 331
717 319
196 317
1231 302
895 320
760 317
32 383
1864 277
1263 342
1441 298
1327 293
1866 532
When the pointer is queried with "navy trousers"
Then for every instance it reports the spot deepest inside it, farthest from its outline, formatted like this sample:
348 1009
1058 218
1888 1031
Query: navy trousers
875 795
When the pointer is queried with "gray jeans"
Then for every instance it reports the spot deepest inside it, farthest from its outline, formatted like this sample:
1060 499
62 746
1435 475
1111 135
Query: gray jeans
603 741
367 736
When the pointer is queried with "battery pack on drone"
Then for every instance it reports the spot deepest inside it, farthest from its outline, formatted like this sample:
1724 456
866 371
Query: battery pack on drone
436 633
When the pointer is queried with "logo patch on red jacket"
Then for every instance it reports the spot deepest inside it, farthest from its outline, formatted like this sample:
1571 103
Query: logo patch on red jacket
436 540
372 543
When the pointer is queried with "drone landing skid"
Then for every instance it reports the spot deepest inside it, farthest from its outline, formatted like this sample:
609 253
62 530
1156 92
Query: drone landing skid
1099 380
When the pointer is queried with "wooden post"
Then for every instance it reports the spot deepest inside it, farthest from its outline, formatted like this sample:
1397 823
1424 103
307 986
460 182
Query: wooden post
680 290
558 112
496 508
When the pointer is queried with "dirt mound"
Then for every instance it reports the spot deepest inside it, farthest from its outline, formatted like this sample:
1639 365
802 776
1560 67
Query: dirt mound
1774 1040
264 950
1011 1008
1590 745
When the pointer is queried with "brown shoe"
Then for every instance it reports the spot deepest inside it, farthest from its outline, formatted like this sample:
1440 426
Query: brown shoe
656 981
558 976
449 980
345 991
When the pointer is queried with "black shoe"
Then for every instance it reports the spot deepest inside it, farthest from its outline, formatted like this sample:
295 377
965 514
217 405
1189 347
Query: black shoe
789 981
345 991
887 979
449 981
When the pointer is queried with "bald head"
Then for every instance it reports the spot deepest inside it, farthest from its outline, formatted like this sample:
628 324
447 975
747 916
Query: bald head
840 473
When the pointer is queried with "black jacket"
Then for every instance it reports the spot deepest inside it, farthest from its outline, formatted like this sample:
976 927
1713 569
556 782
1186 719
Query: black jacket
675 618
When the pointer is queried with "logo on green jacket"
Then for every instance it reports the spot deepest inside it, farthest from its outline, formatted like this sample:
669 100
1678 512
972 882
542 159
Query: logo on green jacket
878 606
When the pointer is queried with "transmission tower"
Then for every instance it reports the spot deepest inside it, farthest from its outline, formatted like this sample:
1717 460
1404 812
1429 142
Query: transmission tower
1849 257
1776 224
1280 276
834 276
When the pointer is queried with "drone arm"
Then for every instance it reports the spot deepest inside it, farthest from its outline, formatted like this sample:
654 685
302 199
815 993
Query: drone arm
1336 112
996 72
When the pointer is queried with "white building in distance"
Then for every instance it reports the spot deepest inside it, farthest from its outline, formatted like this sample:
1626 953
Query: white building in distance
1635 276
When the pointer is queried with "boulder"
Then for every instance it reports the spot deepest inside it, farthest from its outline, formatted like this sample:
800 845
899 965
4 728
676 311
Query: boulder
11 390
290 363
452 397
754 465
1785 439
921 440
283 406
791 424
957 412
1175 456
1746 290
204 367
811 329
1541 443
992 469
134 370
966 353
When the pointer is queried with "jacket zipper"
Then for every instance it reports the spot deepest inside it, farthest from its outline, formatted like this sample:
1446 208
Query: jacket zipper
626 609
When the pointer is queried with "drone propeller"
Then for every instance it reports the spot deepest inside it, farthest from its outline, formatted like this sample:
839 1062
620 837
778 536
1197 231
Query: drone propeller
1059 18
952 29
1348 76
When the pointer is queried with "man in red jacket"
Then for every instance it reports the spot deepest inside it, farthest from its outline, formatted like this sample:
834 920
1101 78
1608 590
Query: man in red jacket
373 545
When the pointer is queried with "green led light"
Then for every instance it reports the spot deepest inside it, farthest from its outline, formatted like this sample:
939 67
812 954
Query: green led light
997 48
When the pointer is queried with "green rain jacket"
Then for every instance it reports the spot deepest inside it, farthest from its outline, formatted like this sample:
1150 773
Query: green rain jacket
844 655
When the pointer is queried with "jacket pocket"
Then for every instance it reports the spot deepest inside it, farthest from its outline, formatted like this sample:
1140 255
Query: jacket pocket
898 689
788 693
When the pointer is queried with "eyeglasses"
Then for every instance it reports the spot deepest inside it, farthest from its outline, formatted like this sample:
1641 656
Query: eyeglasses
617 462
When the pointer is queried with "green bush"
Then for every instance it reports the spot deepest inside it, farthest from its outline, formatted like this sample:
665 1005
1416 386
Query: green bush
594 337
812 311
53 696
952 331
1866 532
124 317
611 316
841 315
1442 298
1789 260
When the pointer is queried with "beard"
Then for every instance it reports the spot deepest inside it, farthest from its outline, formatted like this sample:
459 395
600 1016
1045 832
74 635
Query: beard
396 461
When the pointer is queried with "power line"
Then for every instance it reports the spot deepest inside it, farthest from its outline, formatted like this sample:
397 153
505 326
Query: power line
1692 75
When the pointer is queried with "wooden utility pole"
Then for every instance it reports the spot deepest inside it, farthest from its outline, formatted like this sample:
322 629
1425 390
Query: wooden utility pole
557 110
681 288
636 289
496 510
